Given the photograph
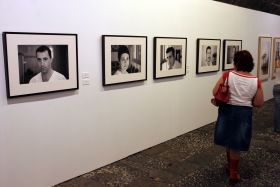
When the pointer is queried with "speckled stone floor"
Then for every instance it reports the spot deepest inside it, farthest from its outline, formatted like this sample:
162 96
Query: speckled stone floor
193 160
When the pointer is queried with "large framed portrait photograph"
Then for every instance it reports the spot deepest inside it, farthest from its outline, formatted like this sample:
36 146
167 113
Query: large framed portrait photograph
230 47
169 57
208 55
276 56
40 62
264 57
124 59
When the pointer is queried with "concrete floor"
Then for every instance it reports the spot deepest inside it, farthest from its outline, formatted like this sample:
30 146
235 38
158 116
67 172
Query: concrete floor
193 160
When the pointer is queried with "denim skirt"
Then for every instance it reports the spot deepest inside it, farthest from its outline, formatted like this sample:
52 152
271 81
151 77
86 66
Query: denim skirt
233 128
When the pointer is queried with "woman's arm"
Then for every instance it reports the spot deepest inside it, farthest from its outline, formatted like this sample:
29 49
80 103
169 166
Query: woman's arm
258 99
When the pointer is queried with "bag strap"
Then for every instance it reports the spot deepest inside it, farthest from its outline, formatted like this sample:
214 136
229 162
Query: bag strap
225 78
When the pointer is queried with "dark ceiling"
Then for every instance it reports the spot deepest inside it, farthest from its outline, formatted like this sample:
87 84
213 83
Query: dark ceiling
269 6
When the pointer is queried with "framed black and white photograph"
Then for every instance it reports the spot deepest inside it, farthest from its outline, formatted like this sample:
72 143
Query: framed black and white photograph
124 59
208 55
40 62
264 57
169 57
230 47
276 56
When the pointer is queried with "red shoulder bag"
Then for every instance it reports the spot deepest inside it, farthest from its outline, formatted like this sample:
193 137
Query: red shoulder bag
222 95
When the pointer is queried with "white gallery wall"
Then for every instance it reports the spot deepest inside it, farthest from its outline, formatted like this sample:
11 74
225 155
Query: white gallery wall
49 138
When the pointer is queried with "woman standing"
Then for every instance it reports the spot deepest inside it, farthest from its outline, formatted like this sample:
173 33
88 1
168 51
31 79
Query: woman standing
234 124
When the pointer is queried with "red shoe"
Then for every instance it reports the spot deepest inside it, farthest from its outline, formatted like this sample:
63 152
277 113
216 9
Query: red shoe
234 177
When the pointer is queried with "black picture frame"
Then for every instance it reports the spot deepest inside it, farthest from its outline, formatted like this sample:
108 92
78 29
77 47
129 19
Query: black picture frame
176 47
25 75
230 47
264 57
133 51
275 56
208 62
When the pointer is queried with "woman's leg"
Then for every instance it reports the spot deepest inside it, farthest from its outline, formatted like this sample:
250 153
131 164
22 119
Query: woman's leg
228 160
234 154
233 166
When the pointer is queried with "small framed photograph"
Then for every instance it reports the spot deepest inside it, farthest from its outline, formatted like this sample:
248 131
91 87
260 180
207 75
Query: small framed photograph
230 47
264 57
38 63
208 55
170 55
276 56
124 59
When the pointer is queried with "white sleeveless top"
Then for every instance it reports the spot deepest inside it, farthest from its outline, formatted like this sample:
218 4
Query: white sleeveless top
242 88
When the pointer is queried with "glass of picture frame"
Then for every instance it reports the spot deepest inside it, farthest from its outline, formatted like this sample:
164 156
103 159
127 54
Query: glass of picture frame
124 59
276 56
170 54
230 47
264 57
208 55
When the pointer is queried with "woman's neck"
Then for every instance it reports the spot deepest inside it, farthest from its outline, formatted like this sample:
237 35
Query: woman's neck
243 72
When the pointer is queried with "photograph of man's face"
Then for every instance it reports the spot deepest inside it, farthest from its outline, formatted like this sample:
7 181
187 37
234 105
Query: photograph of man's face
231 50
41 60
170 57
44 61
209 55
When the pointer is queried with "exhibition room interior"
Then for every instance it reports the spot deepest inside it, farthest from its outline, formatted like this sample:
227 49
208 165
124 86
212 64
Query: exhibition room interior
75 111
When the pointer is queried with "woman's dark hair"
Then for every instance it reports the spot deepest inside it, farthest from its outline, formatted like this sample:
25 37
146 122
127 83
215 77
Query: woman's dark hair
243 61
122 49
